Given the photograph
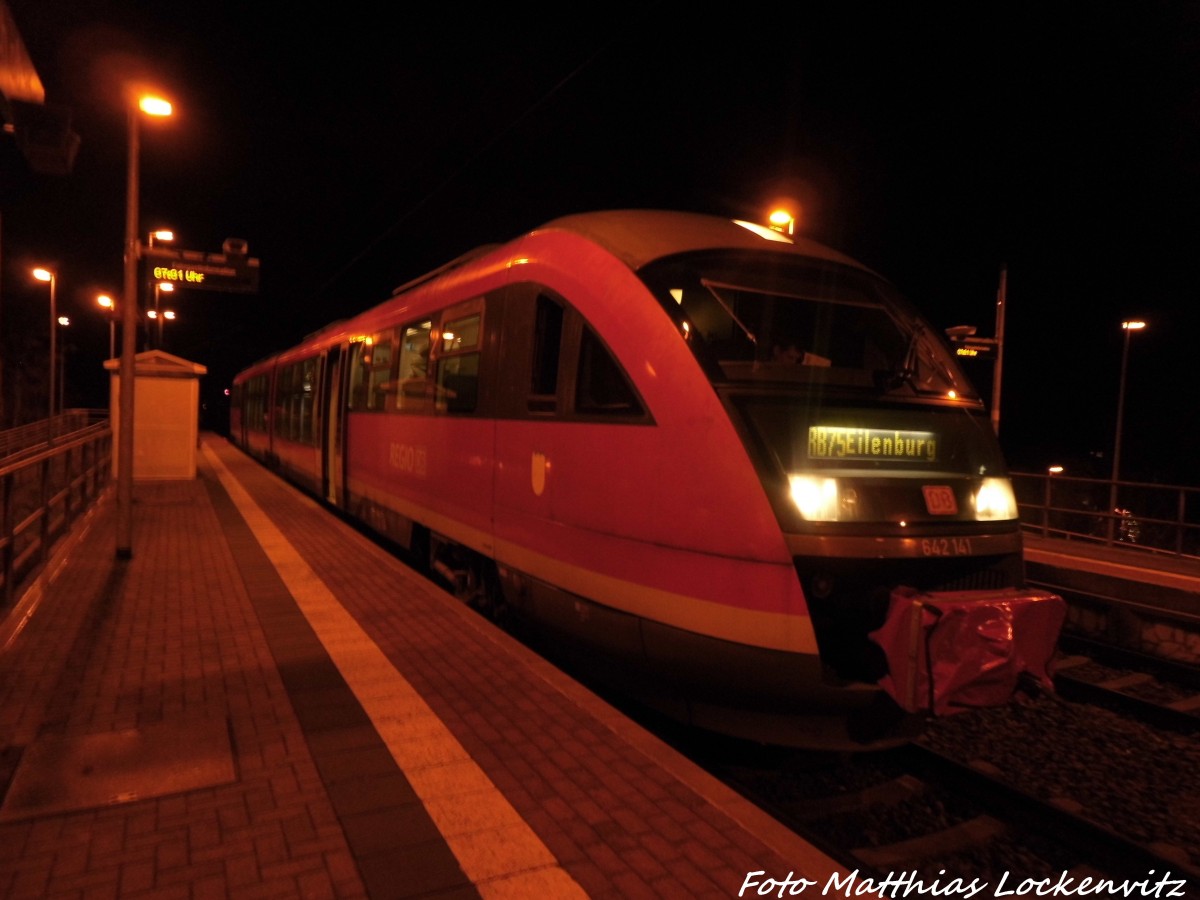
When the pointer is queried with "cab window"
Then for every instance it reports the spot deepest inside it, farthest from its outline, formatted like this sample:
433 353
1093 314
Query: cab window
600 386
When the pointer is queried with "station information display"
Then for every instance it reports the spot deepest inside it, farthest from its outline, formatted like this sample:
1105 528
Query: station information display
228 271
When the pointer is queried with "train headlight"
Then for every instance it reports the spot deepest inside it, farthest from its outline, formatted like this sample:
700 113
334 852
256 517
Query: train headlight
816 497
995 500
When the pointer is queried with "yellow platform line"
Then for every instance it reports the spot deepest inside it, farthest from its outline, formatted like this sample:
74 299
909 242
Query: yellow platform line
496 848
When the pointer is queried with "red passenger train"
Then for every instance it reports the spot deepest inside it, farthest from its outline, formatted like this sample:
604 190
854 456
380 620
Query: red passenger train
730 468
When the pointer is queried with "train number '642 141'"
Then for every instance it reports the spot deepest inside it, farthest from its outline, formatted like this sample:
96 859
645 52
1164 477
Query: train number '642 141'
947 546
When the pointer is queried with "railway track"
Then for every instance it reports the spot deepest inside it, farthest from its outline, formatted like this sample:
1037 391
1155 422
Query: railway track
1163 692
1096 781
928 812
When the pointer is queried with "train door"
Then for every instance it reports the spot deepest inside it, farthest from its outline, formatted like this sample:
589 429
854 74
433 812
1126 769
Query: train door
333 415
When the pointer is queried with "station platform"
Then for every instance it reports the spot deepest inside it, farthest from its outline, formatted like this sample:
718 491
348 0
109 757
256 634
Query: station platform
1156 574
263 703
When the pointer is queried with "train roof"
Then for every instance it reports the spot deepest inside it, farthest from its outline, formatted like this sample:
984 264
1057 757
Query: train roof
639 236
636 237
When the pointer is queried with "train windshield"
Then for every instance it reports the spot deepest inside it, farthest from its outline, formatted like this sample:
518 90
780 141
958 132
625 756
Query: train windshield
767 319
855 410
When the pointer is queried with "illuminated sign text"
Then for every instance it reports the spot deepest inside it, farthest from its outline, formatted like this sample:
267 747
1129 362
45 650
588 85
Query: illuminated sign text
201 271
980 349
825 442
187 276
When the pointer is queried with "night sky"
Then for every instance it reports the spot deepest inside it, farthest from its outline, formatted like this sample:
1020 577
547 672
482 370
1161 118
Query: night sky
937 143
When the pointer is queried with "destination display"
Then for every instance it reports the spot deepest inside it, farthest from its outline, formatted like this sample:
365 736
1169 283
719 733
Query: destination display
829 442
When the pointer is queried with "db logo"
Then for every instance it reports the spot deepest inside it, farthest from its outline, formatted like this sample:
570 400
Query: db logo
939 500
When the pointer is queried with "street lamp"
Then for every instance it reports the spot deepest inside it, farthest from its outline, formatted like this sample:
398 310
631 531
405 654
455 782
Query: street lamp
160 286
63 322
108 303
157 316
1051 471
47 275
161 235
152 106
1128 327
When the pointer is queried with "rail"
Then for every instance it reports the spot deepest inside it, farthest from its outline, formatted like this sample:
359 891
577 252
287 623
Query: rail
44 488
1155 518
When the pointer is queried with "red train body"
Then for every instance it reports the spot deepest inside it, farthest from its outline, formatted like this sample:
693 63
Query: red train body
699 455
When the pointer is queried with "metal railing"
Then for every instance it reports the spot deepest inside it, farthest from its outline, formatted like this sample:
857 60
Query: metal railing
24 438
44 487
1156 518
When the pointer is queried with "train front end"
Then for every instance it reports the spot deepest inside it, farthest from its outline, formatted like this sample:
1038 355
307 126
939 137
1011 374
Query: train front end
881 466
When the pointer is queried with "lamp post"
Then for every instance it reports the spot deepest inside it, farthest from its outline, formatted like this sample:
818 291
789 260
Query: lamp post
1128 327
1051 471
161 235
159 287
47 275
159 316
154 106
63 322
108 303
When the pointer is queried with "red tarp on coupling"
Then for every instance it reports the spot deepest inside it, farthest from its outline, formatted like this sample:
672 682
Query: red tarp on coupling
977 644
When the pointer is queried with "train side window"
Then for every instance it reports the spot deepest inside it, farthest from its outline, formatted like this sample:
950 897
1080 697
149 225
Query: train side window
284 392
357 397
600 386
372 373
294 397
305 402
458 363
414 366
547 349
255 415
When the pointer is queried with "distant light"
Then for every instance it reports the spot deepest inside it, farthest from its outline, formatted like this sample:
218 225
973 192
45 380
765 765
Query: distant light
1055 470
164 235
106 301
781 220
154 106
64 320
43 274
166 286
169 314
1133 326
